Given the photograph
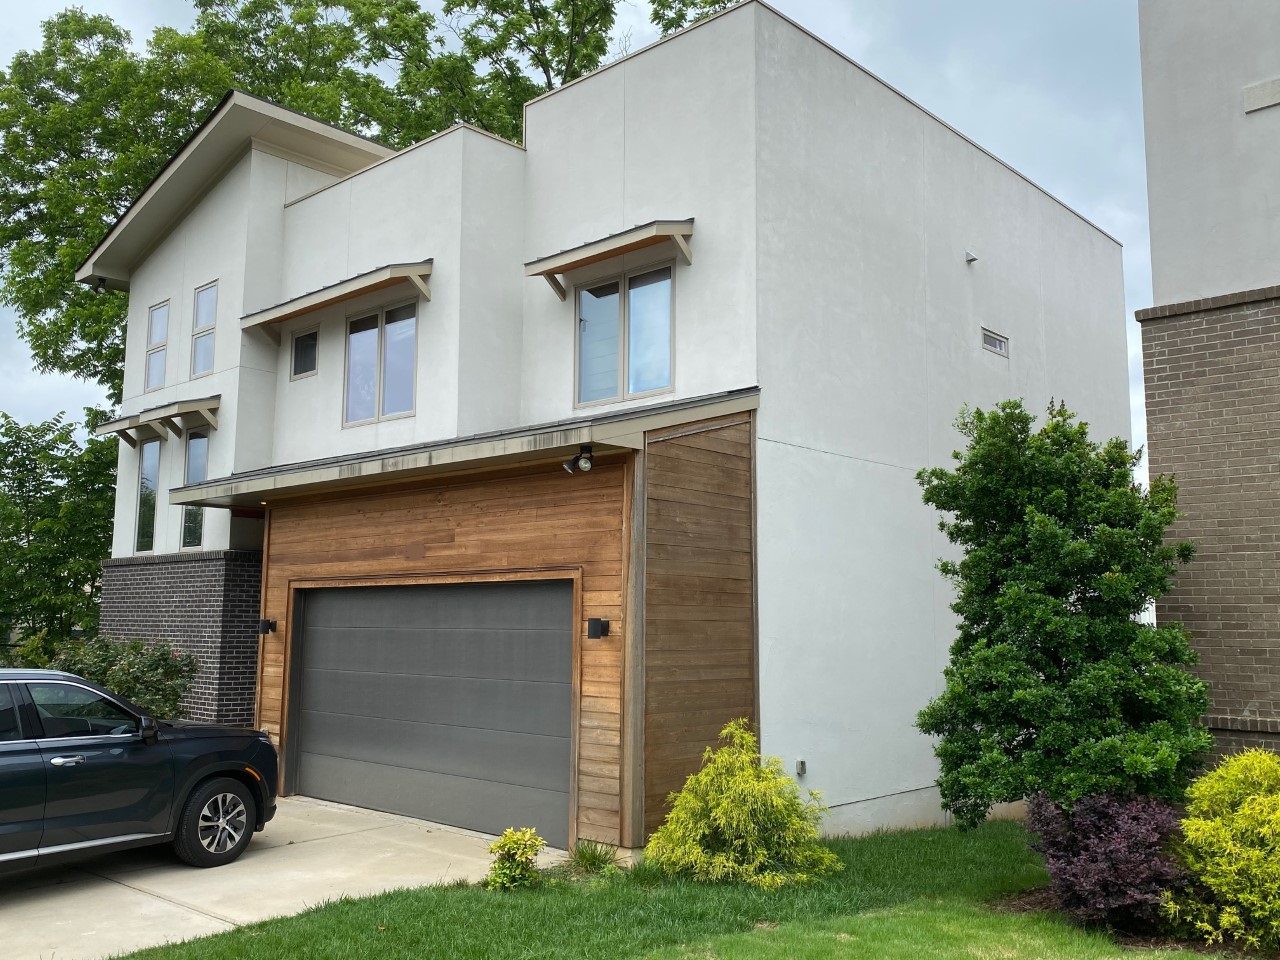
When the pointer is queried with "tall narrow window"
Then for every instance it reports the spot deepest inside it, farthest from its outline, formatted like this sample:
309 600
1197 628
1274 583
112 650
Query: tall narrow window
624 336
197 472
381 362
206 315
148 481
157 343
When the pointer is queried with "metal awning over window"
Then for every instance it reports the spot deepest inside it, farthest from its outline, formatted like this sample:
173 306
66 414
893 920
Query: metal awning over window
163 422
419 274
552 268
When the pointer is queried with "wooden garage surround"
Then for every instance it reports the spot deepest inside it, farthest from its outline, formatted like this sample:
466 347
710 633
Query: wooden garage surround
674 521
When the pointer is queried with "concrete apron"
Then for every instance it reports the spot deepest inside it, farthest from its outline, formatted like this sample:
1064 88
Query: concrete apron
312 852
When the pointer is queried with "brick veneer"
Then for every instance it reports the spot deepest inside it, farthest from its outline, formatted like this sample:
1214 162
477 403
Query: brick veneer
205 604
1212 371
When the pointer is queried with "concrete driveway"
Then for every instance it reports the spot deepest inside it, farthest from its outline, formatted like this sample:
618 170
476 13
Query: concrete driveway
311 852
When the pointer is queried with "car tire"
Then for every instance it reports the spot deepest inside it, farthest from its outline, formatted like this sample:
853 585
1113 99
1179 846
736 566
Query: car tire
216 824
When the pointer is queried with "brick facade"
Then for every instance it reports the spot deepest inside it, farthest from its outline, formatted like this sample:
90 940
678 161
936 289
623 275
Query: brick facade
205 604
1212 371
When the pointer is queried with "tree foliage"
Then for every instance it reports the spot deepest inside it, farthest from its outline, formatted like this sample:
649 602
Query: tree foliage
1055 684
55 527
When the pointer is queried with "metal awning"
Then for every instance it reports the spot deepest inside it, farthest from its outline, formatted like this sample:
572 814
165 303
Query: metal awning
623 430
164 421
419 274
649 234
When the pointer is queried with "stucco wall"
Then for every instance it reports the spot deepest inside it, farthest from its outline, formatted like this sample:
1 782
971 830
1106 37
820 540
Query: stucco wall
1211 168
869 344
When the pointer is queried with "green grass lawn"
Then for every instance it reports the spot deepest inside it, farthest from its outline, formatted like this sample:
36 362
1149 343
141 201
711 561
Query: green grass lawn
915 894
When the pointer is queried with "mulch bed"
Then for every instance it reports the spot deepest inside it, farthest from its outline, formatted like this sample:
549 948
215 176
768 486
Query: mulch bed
1042 900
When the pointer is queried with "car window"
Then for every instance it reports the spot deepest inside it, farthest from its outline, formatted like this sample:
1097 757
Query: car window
9 729
70 711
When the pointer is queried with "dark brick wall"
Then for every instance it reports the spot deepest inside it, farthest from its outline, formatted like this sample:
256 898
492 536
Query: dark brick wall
1212 371
205 604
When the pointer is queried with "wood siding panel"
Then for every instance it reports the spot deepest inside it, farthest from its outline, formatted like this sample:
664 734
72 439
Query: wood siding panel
699 626
501 526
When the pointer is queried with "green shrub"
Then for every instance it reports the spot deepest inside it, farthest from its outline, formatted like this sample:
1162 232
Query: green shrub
1231 850
741 818
152 675
515 856
588 856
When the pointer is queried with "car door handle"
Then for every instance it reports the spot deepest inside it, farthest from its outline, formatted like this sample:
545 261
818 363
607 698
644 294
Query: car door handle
70 761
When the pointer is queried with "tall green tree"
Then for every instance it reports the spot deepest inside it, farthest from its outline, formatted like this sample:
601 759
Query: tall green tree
1055 683
55 527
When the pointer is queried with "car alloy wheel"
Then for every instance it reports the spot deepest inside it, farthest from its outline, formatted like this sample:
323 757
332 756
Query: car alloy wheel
222 822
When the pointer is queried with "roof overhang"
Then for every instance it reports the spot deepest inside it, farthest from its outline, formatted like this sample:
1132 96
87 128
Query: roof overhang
541 444
160 423
552 268
235 123
419 274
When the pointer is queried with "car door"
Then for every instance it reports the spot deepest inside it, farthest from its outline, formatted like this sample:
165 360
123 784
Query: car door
21 780
102 782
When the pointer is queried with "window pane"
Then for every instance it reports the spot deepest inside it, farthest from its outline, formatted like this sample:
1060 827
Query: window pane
158 325
155 368
649 331
67 711
148 477
304 353
197 458
598 324
9 729
206 306
362 369
202 354
192 526
399 350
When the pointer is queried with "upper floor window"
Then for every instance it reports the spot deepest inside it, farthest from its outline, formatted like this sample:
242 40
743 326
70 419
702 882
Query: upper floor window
157 345
197 472
206 315
148 483
381 361
306 353
624 336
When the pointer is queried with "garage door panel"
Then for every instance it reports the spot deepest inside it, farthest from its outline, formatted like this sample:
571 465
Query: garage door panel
528 654
516 605
473 804
447 702
525 707
521 759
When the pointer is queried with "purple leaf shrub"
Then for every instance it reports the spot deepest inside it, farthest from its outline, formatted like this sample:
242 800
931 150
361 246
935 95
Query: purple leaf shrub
1108 857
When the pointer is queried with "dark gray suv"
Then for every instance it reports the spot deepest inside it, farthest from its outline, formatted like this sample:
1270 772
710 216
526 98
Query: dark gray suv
83 771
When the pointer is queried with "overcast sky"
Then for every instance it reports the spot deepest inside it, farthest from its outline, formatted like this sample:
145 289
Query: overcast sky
1052 88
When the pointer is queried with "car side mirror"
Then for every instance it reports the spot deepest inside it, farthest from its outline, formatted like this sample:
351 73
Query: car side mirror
149 729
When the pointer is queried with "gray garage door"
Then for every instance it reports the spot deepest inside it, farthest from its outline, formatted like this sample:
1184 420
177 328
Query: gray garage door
450 703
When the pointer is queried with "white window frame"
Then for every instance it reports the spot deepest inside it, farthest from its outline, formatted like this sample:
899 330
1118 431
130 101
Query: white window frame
157 347
209 331
624 320
314 328
186 467
988 332
381 313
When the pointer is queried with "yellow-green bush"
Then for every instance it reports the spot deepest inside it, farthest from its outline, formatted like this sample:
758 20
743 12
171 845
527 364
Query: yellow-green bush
741 818
1231 849
515 859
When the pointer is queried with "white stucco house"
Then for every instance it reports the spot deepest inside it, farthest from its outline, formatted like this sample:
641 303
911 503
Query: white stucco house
493 479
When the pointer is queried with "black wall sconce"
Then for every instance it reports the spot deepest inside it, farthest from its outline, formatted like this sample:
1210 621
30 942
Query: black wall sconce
266 626
597 628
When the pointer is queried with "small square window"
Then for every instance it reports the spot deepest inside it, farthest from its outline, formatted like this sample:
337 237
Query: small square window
995 342
305 354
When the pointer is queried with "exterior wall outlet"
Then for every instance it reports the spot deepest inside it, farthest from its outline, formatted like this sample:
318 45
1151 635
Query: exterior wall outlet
801 767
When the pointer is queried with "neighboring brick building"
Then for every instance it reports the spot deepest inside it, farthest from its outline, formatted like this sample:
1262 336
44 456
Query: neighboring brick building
1211 346
1212 370
205 604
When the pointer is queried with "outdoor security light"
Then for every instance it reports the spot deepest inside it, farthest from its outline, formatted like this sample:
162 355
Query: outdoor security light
581 462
